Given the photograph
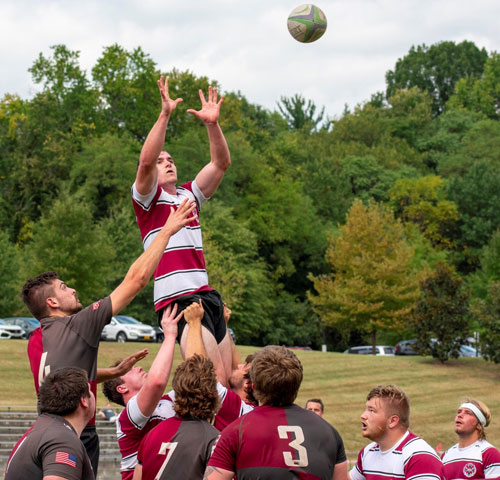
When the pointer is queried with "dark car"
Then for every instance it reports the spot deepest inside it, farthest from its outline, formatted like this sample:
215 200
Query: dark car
28 324
406 347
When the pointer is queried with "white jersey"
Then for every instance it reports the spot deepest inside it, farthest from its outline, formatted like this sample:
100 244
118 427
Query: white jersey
479 460
410 458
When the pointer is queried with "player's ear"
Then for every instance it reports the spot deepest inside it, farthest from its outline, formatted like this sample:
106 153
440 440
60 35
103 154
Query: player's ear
393 421
122 389
52 302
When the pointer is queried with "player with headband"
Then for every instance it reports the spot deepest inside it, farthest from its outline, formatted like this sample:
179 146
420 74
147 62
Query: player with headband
472 456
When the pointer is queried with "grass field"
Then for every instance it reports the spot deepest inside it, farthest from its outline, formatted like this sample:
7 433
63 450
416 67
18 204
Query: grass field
342 381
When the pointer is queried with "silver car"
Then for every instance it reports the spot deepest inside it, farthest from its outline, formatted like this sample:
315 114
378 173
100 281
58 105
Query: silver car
10 331
123 328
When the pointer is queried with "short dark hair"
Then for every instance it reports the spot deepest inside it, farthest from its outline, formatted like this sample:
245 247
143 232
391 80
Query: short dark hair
195 387
317 400
276 374
36 291
396 402
109 388
62 389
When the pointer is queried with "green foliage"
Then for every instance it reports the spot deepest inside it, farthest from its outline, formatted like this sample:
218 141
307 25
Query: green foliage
480 94
300 115
371 285
10 278
66 239
436 69
441 317
477 196
488 313
129 94
423 201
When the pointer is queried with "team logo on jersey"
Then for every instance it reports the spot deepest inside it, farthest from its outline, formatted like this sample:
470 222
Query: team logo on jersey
469 470
96 305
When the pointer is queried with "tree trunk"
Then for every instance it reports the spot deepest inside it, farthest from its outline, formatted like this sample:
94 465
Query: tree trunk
374 341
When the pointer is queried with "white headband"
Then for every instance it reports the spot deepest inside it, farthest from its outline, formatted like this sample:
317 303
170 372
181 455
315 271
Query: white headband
473 408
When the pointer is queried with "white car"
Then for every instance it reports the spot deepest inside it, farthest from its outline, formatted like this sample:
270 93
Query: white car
368 350
123 328
10 331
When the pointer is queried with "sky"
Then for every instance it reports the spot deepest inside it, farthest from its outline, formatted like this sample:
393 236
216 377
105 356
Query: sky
244 44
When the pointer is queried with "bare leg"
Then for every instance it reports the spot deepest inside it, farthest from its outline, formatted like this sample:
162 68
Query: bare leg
212 350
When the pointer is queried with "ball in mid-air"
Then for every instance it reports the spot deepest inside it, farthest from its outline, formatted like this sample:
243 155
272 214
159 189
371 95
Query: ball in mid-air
307 23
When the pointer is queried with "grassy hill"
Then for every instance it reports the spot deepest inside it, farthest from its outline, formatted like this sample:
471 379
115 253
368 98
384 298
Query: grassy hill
342 381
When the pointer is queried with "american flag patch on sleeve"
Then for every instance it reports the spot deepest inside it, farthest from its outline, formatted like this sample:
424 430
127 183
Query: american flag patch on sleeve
96 305
66 458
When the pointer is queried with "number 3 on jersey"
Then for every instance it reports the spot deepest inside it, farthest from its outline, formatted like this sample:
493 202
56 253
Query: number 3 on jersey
296 444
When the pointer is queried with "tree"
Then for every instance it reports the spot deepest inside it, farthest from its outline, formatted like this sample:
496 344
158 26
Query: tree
126 80
488 313
10 277
477 196
300 115
436 69
441 316
67 240
423 201
480 94
371 285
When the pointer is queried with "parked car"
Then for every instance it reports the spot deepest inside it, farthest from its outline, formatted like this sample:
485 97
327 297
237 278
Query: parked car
10 331
406 347
368 350
28 324
123 328
468 351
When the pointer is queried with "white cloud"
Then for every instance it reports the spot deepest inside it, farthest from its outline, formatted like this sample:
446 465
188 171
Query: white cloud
244 44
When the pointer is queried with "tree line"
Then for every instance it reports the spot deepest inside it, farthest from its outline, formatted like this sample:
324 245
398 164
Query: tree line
378 225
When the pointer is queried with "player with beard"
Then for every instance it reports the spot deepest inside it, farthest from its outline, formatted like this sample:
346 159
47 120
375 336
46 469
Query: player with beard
395 452
472 456
69 334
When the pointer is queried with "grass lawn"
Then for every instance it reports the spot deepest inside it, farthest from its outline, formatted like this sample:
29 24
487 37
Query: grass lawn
342 381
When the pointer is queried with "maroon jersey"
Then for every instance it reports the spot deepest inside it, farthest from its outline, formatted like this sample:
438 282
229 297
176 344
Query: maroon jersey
132 426
478 460
231 407
177 449
182 269
279 443
50 447
69 342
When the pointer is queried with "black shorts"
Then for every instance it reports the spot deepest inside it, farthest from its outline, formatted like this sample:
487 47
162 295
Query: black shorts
90 441
213 319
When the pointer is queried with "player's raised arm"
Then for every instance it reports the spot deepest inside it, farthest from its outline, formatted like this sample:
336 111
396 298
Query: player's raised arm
210 176
147 175
141 270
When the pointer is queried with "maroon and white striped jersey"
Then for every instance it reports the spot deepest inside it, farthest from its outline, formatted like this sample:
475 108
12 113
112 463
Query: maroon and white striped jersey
410 458
231 407
132 426
177 449
273 443
479 460
69 342
181 270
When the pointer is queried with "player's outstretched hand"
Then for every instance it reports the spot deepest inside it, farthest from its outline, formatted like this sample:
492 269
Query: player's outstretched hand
194 313
210 108
168 105
127 363
180 216
169 320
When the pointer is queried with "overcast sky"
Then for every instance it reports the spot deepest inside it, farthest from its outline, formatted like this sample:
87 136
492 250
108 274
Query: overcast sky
245 44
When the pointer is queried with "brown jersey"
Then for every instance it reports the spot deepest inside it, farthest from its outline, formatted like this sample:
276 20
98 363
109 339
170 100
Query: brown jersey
69 342
50 447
